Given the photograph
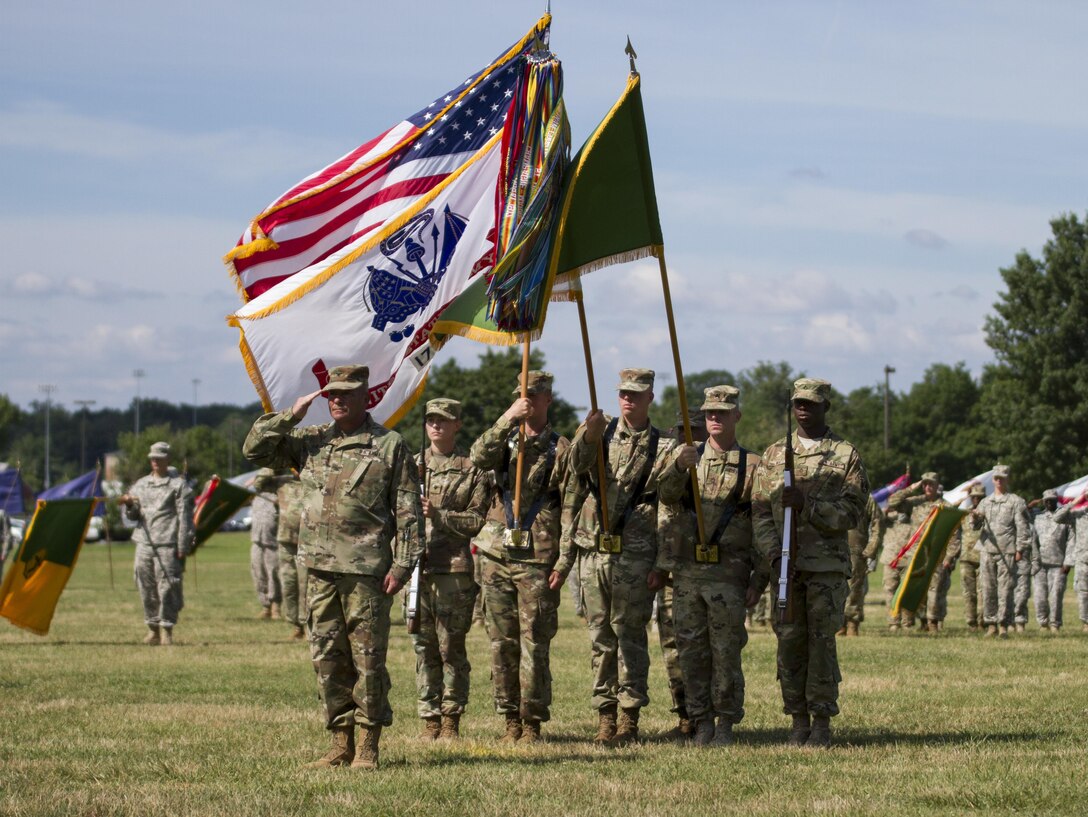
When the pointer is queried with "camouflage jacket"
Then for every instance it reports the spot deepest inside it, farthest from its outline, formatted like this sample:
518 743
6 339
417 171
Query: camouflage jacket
1005 525
833 481
289 498
461 493
361 512
499 445
163 512
918 508
970 532
1055 533
263 518
625 460
740 562
868 537
1080 551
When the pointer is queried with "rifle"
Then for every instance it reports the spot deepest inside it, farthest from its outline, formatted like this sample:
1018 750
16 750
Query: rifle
411 597
789 531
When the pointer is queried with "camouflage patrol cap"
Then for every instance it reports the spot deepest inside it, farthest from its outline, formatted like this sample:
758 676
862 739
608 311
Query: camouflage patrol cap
159 451
978 489
636 380
444 407
696 419
931 476
538 382
720 398
812 389
347 378
1001 471
1050 493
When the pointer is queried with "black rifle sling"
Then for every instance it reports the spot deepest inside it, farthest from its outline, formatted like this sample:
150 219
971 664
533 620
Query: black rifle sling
620 522
732 506
529 516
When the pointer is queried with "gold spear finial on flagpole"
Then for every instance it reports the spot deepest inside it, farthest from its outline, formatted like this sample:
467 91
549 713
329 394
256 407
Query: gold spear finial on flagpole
630 52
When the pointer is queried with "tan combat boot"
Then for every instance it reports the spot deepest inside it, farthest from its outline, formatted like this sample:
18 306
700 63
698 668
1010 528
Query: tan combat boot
451 727
820 737
530 732
626 727
841 631
704 732
1055 628
853 628
513 729
802 729
683 729
166 636
933 627
1020 628
152 637
432 727
1003 631
341 751
299 633
366 750
606 724
723 734
266 612
274 611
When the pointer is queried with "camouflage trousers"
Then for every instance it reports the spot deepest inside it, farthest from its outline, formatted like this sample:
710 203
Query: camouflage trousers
1049 595
158 576
618 609
666 633
892 578
859 587
808 664
348 623
1080 585
292 585
446 601
264 567
1022 592
522 616
997 575
937 601
710 635
972 593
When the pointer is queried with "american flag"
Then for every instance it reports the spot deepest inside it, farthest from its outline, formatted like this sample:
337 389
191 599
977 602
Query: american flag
364 190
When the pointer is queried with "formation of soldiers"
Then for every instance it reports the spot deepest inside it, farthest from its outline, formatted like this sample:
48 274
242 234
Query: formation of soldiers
616 511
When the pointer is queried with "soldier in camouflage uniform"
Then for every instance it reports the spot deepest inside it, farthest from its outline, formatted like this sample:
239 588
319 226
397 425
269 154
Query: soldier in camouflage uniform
828 499
1006 541
456 499
360 538
618 576
713 586
292 571
897 533
1080 562
263 551
864 540
908 502
1052 559
161 503
970 530
520 608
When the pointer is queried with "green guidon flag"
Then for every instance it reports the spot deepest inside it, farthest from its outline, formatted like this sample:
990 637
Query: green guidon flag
932 537
216 505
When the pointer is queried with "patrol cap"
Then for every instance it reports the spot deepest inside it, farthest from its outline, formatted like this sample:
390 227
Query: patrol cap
1001 471
636 380
931 476
159 451
347 378
444 407
720 398
696 419
978 489
537 382
811 389
1050 493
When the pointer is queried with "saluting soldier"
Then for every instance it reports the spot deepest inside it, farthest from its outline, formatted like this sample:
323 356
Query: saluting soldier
521 610
1052 558
360 537
292 571
1006 541
617 566
714 582
828 500
455 501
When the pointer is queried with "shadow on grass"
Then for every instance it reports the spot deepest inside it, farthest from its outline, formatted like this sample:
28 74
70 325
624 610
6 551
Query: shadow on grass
856 738
511 756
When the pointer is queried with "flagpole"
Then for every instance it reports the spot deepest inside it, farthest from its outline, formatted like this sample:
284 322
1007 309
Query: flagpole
601 470
521 432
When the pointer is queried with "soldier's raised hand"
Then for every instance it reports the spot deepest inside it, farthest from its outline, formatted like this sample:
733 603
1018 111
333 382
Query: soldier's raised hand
595 425
519 411
686 457
302 405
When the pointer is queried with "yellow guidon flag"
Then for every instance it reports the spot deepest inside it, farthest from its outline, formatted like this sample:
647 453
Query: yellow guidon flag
38 574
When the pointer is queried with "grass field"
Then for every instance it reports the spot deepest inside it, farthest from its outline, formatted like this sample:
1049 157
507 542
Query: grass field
96 723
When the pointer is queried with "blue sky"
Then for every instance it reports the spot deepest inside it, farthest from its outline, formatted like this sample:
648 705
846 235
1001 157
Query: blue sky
839 183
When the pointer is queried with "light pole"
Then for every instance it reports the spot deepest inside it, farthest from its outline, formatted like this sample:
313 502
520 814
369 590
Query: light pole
47 389
196 383
83 433
139 375
888 370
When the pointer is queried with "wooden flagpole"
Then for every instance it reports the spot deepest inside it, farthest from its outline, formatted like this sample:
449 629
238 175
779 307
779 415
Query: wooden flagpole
521 431
601 469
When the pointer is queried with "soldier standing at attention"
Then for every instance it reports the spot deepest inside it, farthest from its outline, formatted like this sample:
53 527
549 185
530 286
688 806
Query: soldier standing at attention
455 501
263 551
162 506
970 531
520 609
714 585
865 540
616 567
1053 559
360 538
292 571
897 532
1080 563
828 499
1006 541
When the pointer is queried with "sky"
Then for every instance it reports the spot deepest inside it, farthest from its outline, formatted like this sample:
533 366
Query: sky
839 182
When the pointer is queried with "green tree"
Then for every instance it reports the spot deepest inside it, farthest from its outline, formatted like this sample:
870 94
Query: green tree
10 418
1035 401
